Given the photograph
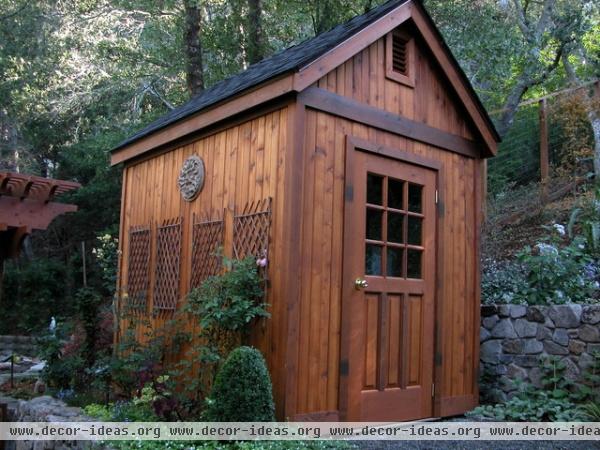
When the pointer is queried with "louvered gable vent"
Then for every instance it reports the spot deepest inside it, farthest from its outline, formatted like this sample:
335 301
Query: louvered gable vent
399 54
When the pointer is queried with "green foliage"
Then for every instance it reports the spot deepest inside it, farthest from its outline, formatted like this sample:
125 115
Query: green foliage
230 300
242 391
224 306
64 362
500 281
125 411
549 273
248 445
33 292
554 401
559 399
557 275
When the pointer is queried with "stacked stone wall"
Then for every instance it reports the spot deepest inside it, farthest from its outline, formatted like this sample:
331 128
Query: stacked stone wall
515 337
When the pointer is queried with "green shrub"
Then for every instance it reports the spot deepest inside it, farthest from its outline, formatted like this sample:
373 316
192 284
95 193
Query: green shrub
242 391
558 275
558 399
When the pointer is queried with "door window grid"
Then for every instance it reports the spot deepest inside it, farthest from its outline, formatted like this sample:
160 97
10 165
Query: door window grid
394 227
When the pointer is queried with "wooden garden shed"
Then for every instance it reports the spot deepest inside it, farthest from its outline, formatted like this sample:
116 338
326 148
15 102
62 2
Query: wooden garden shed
356 162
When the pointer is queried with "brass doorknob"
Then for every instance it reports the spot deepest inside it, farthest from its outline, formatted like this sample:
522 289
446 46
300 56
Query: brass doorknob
360 283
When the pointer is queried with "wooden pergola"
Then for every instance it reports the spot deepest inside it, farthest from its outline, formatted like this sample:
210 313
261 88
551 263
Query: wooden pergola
26 204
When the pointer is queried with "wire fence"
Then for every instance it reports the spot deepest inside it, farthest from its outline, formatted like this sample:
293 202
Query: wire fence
550 137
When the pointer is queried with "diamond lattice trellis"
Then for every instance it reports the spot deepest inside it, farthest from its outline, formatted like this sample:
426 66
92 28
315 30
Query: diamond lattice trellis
251 230
138 268
168 256
207 237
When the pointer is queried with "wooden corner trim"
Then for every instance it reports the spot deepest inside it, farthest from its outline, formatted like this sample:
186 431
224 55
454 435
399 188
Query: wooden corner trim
338 105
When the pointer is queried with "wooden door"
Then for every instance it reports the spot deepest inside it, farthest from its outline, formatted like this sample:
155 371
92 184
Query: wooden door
389 287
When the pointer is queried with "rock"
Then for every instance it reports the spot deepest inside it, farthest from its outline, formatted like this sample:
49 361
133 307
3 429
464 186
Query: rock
576 347
38 367
504 310
501 369
515 372
524 328
532 346
536 314
506 358
484 334
490 350
589 333
585 361
490 322
593 348
565 316
548 323
535 377
553 348
507 384
561 336
517 311
488 310
39 387
543 333
591 314
573 333
514 346
504 329
572 372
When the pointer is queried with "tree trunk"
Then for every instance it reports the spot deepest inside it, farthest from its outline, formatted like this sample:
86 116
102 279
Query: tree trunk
510 107
255 43
193 46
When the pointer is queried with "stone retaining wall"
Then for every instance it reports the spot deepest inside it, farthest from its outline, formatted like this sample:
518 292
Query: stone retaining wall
514 337
45 409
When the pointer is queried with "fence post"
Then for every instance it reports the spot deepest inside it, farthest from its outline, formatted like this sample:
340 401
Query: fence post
544 163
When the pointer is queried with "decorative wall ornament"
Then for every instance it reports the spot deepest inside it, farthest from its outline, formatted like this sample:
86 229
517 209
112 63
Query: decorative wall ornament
191 178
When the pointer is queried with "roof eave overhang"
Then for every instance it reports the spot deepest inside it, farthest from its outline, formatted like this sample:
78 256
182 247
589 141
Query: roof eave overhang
259 95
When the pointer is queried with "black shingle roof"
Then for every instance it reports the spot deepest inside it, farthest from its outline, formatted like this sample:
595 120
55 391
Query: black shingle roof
288 60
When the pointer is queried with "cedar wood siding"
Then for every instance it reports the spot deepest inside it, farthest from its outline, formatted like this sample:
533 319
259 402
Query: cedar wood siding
432 102
245 162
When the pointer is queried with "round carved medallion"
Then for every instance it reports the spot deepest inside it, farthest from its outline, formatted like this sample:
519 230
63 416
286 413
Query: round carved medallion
191 178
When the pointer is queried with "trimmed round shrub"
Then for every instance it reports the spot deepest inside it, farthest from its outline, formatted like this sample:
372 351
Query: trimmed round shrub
242 391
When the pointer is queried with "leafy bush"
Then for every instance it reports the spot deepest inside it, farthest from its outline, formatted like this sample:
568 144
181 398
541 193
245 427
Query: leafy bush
557 399
224 306
500 281
32 292
545 274
242 391
62 351
558 275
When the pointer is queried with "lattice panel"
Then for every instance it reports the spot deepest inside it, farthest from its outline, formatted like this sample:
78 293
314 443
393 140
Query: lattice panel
168 256
207 237
251 230
138 267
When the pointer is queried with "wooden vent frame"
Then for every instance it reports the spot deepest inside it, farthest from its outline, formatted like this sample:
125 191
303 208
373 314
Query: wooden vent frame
207 236
167 266
400 57
252 229
138 268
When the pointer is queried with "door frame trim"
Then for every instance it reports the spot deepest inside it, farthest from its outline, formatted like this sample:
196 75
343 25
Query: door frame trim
354 143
